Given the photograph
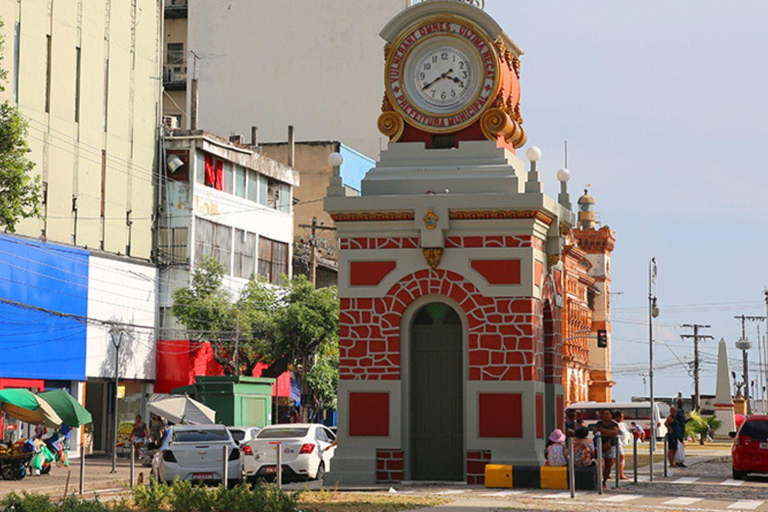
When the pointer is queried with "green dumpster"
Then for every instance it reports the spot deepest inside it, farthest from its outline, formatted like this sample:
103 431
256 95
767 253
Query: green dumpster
238 401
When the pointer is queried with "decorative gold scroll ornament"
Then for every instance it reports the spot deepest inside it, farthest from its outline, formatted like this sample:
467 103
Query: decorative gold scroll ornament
430 219
552 260
433 256
391 125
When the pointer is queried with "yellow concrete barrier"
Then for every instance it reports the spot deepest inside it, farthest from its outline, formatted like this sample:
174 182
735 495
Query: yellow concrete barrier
554 477
498 476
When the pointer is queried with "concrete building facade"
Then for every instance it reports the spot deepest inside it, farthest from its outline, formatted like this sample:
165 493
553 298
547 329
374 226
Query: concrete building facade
316 65
83 74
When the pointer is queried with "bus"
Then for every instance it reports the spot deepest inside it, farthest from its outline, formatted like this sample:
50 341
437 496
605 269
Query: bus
639 412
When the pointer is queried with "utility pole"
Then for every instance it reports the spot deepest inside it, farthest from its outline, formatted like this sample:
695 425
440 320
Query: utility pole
314 227
744 345
653 312
696 366
117 341
237 347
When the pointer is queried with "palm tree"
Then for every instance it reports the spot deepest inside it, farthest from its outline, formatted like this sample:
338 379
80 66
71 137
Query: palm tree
701 426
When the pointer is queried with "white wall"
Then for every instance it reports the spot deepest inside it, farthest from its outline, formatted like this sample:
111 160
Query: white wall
316 64
122 292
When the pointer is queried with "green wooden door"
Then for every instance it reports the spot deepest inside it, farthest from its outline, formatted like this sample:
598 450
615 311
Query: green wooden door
437 416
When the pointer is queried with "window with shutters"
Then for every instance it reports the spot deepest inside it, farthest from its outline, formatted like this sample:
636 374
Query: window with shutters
245 254
273 259
172 246
214 240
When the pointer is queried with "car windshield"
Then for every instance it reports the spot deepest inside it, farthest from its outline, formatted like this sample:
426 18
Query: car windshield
756 429
203 435
280 433
238 435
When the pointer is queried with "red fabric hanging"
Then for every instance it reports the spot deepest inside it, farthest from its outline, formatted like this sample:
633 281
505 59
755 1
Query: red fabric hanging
219 175
210 174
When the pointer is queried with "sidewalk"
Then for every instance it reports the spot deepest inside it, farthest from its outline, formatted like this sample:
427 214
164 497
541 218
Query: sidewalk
97 477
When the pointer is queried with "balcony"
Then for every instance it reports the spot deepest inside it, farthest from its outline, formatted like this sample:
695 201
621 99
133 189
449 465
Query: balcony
175 9
175 74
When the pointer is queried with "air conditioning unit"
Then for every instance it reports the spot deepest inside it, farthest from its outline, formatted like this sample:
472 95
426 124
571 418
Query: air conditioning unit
171 122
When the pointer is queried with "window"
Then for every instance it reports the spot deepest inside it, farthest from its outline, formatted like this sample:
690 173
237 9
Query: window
77 84
273 259
253 186
48 67
226 175
200 169
263 189
245 254
106 92
282 432
213 240
239 181
285 197
16 54
172 246
175 53
273 193
200 436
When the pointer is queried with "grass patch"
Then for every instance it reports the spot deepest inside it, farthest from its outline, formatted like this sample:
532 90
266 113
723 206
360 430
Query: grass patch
642 460
328 501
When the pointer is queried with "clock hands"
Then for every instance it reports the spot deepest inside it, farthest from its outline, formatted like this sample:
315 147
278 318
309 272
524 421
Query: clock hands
444 75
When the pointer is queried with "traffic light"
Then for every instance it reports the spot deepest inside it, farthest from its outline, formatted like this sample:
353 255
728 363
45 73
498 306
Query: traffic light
602 338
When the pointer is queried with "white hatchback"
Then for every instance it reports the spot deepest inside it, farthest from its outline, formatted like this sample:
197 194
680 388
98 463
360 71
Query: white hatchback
306 448
197 453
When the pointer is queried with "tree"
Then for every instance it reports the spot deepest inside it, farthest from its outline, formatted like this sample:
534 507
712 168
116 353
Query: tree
701 426
19 191
207 310
307 332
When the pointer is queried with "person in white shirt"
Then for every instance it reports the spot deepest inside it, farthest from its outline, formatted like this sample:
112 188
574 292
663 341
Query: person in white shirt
623 439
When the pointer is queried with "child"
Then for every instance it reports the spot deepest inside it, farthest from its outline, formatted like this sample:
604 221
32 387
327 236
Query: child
556 449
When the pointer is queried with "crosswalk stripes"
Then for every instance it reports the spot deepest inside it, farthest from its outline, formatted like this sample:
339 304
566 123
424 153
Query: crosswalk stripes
621 498
686 480
682 501
503 494
730 481
746 505
556 496
451 492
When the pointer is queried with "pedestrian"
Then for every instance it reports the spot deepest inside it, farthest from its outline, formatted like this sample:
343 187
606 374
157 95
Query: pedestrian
570 423
155 432
556 449
40 431
609 433
671 424
637 431
680 422
138 433
622 440
583 450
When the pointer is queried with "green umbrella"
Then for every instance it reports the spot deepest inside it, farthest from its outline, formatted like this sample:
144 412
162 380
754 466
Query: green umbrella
25 406
72 413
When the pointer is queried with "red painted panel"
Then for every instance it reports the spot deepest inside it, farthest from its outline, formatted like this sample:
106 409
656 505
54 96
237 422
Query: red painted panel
369 273
539 269
498 271
501 415
540 415
560 408
22 383
369 414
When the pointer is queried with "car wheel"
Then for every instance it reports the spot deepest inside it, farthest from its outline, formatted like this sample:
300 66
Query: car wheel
320 471
739 475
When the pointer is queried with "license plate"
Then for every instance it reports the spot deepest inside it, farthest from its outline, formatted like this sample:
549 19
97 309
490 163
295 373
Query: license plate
764 446
271 469
202 476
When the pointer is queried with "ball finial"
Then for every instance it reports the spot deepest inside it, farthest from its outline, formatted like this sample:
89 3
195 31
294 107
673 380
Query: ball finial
533 154
563 175
335 159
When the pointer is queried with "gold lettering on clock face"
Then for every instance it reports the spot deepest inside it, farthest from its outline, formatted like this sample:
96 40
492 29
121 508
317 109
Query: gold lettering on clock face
444 78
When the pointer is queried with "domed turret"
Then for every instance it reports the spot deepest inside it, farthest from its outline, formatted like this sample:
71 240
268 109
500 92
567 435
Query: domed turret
586 211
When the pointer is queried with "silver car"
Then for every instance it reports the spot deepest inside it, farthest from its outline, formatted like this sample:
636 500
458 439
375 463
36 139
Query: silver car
197 453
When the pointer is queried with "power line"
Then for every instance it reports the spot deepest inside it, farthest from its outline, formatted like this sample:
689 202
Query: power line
696 337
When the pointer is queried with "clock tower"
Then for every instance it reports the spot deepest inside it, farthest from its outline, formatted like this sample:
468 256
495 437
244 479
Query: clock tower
450 279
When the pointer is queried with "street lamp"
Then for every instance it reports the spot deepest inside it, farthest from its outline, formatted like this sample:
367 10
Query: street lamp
653 312
744 345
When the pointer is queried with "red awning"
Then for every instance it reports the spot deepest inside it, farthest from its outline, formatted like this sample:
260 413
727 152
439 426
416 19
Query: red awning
37 384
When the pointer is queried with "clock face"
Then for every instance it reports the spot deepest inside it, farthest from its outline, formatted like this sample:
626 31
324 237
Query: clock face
442 75
444 78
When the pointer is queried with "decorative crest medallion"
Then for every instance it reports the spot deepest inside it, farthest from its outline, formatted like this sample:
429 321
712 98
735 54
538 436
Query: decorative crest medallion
433 256
430 219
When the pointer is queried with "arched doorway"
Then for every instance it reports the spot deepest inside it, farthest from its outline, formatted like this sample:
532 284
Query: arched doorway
437 415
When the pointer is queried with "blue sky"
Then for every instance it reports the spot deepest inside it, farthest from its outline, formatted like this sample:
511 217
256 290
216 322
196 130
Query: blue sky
665 109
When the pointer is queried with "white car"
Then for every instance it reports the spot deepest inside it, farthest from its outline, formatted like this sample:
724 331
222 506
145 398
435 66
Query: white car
242 435
306 448
196 453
